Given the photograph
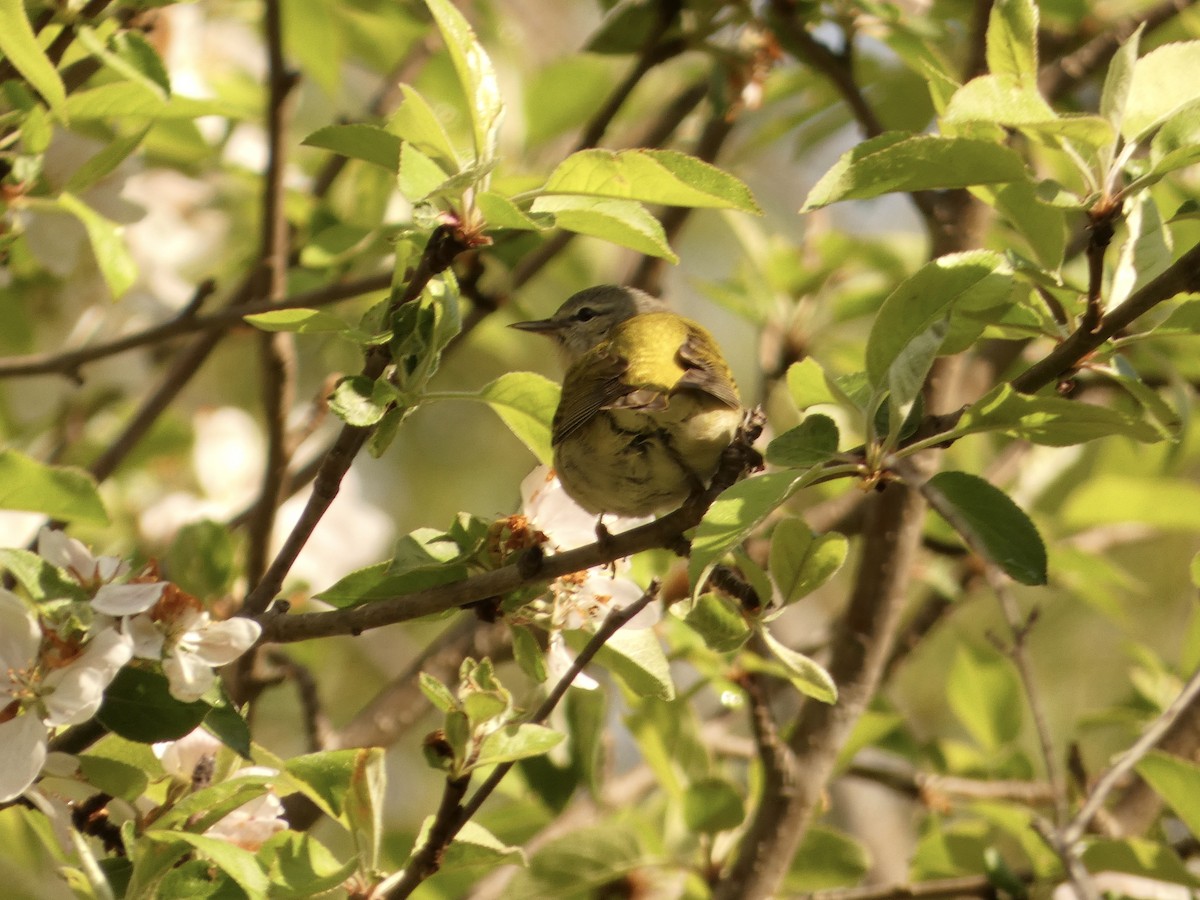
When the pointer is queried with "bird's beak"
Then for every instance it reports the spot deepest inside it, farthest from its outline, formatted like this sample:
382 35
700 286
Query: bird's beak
538 326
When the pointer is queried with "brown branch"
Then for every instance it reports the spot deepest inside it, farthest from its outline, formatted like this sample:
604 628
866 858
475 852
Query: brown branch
859 648
68 362
277 351
932 789
452 813
443 246
318 731
1182 276
1068 71
664 532
837 68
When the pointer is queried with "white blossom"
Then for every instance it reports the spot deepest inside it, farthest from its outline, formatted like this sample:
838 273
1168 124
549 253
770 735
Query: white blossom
178 631
250 825
98 575
45 683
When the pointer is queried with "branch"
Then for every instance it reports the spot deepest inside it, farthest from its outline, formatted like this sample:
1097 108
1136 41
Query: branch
277 350
452 814
1183 276
1067 72
664 532
68 362
443 246
1073 833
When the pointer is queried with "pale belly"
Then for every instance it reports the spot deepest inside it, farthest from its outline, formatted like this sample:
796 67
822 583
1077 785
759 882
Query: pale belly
634 463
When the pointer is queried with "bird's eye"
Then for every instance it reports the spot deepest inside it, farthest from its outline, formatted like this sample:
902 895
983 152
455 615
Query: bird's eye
586 314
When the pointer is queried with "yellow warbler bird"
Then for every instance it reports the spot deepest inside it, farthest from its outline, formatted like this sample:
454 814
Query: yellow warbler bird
648 402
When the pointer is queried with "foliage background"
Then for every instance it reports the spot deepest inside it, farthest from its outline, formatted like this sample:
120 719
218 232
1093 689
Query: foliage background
773 100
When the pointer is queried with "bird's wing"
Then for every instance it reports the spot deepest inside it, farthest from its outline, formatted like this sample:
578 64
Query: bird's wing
705 369
593 383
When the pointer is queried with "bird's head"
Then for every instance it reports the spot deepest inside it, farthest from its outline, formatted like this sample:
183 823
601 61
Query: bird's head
587 318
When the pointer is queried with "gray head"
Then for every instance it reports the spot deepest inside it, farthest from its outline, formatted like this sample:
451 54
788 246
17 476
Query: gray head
587 318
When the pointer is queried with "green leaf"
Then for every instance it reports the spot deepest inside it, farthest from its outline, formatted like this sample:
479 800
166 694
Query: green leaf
419 176
827 858
41 580
132 100
61 492
921 301
474 845
711 805
475 74
1175 145
1177 781
625 223
1012 40
120 779
810 443
635 656
139 707
1114 98
580 863
649 176
898 161
808 384
201 559
106 161
719 622
1139 856
303 865
500 212
1048 420
525 402
990 523
369 143
806 675
112 256
417 123
801 561
298 320
240 865
94 44
1043 226
1164 80
985 694
1146 252
364 805
359 401
513 742
228 726
19 45
324 777
731 518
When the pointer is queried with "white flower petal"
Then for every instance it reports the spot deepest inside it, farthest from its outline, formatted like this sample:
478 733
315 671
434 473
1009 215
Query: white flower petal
65 552
20 634
23 747
559 660
188 675
223 642
181 757
127 599
74 692
147 637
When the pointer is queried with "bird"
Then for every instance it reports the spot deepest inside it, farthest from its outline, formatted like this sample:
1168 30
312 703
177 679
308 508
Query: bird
648 402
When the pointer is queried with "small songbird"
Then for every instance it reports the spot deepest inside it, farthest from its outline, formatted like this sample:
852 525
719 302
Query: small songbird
648 402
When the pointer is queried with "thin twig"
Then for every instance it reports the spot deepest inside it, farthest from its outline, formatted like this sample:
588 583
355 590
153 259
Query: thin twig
453 814
443 246
277 350
1020 629
1124 764
663 532
68 362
